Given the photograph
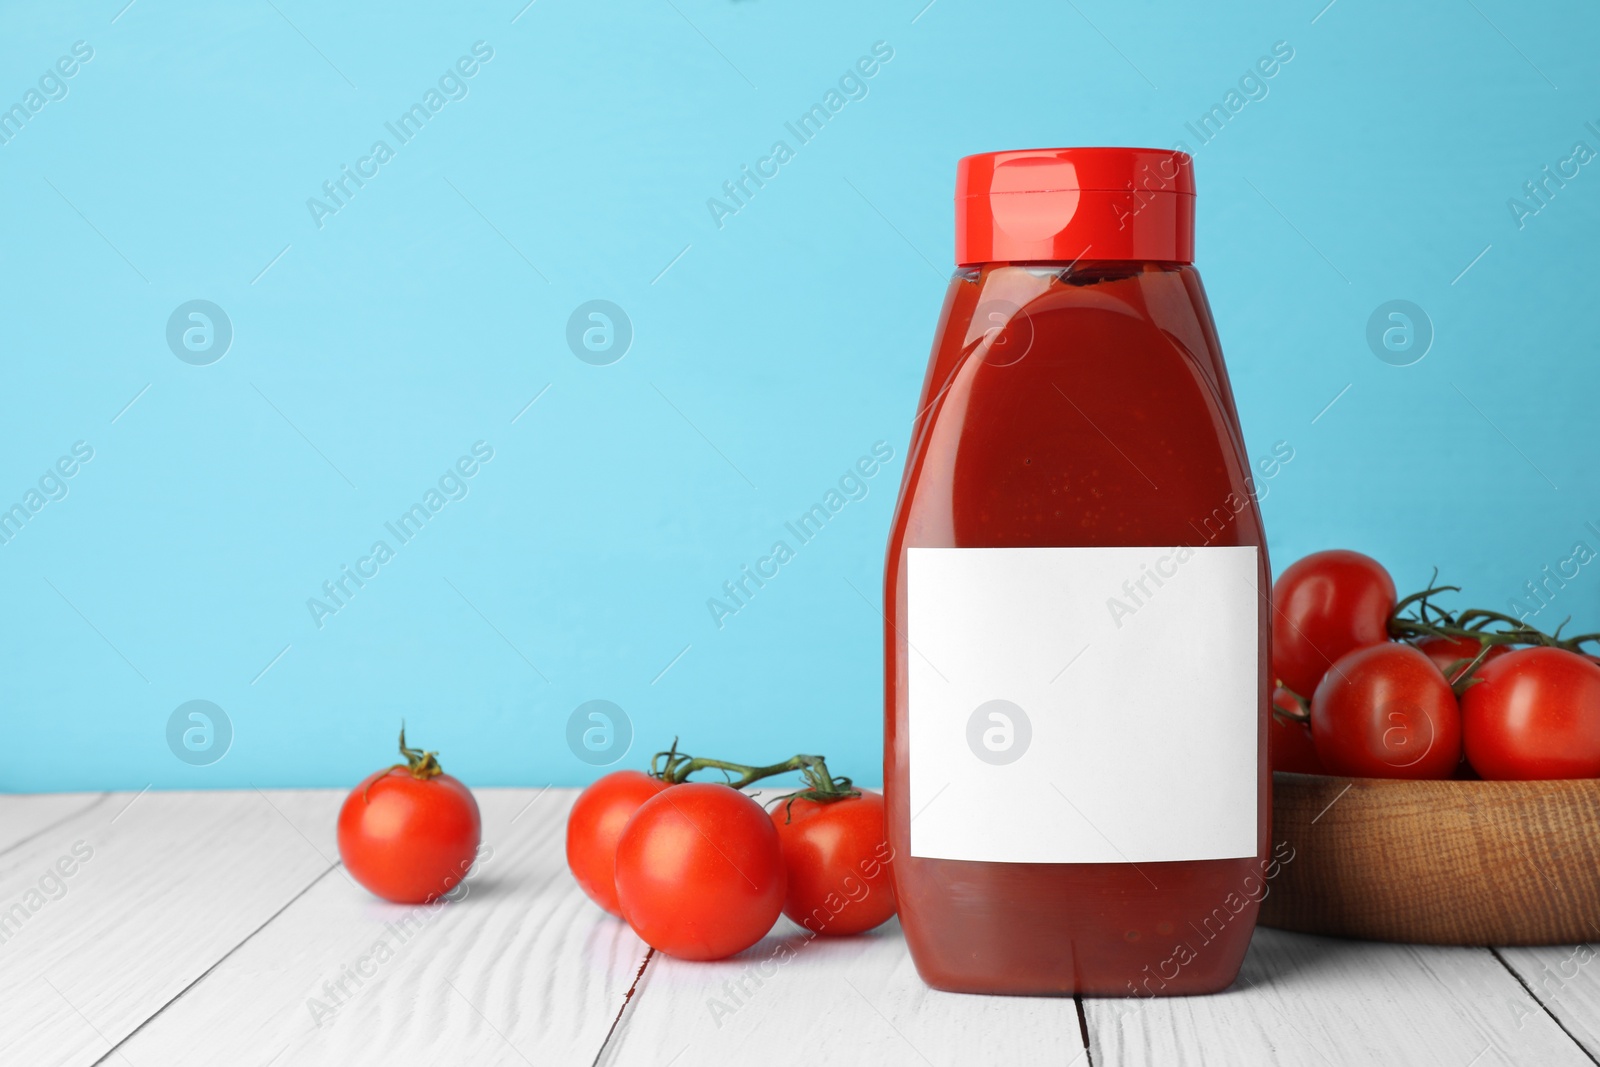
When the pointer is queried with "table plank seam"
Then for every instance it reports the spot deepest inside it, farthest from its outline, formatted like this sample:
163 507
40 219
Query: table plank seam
1542 1005
73 814
627 999
203 975
1083 1032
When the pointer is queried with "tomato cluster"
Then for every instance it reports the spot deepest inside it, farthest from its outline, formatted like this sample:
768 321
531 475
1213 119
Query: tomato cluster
698 869
701 871
1422 693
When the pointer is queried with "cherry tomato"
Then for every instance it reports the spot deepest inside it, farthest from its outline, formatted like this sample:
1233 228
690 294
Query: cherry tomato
1534 713
837 857
595 823
1289 744
1386 712
1325 605
409 833
700 872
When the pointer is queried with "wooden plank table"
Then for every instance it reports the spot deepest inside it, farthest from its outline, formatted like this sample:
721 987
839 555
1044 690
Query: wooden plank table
162 929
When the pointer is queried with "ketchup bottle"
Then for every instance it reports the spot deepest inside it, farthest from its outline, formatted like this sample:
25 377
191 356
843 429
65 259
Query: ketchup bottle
1078 597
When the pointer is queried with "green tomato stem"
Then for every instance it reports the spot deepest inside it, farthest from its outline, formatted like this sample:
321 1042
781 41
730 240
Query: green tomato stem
421 764
1430 620
674 768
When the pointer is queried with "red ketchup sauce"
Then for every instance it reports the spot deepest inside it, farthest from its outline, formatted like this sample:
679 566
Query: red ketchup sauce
1078 599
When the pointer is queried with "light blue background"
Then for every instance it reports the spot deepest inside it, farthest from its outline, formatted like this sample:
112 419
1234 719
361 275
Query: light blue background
770 356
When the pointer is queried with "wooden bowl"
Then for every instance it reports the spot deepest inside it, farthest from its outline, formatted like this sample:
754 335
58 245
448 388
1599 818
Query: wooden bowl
1443 863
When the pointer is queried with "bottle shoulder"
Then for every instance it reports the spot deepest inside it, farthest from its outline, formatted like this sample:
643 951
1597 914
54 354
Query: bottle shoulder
1075 405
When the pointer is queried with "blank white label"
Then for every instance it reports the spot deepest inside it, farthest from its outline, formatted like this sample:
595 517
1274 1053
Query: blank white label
1083 705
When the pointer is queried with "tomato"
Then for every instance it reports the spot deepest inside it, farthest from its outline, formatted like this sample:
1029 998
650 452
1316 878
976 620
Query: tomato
1289 744
1447 650
1323 606
595 823
700 871
1386 712
837 858
1534 713
409 833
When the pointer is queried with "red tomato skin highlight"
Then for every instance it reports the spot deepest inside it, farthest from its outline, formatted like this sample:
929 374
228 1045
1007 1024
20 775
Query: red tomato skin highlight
837 858
1534 714
1385 711
1325 605
700 872
595 823
409 840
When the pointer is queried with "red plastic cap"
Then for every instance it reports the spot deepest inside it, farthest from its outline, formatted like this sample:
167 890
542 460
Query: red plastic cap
1059 205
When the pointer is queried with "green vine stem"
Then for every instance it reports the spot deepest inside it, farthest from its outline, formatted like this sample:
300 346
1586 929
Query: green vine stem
1463 672
1428 619
1302 712
674 768
1416 616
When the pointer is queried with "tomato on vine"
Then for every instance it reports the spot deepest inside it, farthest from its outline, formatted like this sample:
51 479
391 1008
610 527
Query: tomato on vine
700 872
837 856
1325 605
1447 684
595 824
1385 711
1533 714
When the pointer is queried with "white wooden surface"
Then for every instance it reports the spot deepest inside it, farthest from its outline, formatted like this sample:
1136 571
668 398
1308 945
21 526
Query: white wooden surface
218 928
